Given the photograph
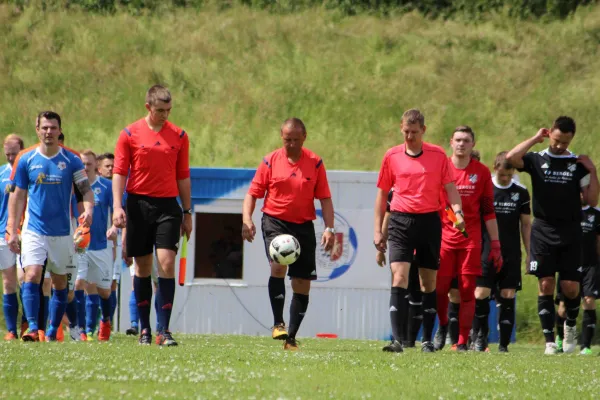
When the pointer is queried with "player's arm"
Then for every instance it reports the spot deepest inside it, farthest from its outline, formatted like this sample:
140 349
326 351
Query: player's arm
184 184
515 156
526 231
257 190
16 207
323 193
455 203
380 207
590 187
120 172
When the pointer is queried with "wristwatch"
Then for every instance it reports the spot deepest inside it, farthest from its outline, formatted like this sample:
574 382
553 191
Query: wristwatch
188 211
459 212
332 230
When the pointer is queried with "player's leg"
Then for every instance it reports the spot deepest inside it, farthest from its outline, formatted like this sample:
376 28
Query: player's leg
80 288
20 278
139 239
561 317
481 326
466 286
589 289
100 274
9 290
427 257
415 307
33 256
301 273
92 306
453 313
445 275
44 310
570 282
506 318
113 298
272 227
133 310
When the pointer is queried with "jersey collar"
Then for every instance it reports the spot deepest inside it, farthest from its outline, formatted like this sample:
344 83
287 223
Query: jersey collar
585 208
499 186
549 153
60 152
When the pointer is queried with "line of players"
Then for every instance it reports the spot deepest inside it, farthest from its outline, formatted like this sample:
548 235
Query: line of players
496 212
98 267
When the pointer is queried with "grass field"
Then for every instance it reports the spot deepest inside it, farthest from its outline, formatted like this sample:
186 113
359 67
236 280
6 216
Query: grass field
242 367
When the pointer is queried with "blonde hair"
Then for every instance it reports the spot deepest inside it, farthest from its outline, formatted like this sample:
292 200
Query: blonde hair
13 137
88 152
413 116
158 93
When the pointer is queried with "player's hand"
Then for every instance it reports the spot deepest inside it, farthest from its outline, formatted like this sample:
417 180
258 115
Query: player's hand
85 219
380 258
119 218
380 242
14 244
112 233
248 231
586 162
496 255
186 226
542 134
128 260
327 241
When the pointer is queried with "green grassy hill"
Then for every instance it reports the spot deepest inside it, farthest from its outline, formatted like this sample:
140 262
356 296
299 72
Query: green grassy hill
237 74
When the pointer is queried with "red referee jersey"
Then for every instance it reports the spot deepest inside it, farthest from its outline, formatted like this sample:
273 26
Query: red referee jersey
474 183
155 161
416 180
291 188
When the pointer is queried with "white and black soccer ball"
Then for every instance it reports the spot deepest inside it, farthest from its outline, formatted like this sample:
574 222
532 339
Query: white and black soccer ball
284 249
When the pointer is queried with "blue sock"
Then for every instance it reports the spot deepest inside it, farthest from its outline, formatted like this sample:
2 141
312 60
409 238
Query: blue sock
80 299
166 288
58 305
106 306
133 311
31 303
113 304
23 316
157 305
91 313
72 313
11 310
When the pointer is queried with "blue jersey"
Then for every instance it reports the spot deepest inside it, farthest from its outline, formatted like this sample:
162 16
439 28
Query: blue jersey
103 205
5 191
49 184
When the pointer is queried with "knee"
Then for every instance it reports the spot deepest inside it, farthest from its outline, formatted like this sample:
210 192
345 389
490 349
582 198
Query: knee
277 270
508 293
546 286
570 289
400 279
482 293
70 296
589 303
428 280
455 296
301 286
79 284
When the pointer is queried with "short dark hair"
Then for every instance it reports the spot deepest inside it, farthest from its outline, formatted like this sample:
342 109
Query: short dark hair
48 115
61 137
464 129
564 124
294 123
103 156
476 155
413 116
502 162
158 93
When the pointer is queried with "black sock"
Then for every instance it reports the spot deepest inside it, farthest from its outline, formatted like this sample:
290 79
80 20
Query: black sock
453 310
143 297
572 307
587 328
546 313
481 326
277 297
166 287
560 326
415 314
297 311
506 320
429 314
398 312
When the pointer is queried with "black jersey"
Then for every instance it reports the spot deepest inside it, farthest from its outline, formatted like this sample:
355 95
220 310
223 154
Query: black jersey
590 230
556 182
510 202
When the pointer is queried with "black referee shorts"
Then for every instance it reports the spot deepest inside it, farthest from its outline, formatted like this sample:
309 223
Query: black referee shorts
305 266
152 222
508 278
555 250
415 238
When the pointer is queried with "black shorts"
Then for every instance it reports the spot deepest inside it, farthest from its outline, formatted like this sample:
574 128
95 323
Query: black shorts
508 278
152 222
454 283
555 250
589 281
415 238
305 266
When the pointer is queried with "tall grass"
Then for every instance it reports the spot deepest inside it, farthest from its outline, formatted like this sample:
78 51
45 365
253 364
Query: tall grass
237 74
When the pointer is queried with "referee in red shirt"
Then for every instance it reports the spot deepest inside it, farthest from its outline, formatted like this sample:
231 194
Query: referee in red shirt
155 154
417 171
292 177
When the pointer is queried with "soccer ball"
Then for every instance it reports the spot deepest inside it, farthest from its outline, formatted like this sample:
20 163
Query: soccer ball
284 249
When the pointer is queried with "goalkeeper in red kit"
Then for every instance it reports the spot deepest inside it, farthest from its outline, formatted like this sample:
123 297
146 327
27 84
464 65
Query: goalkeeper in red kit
460 254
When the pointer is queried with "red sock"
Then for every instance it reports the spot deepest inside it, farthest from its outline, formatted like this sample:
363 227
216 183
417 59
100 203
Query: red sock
466 285
442 288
